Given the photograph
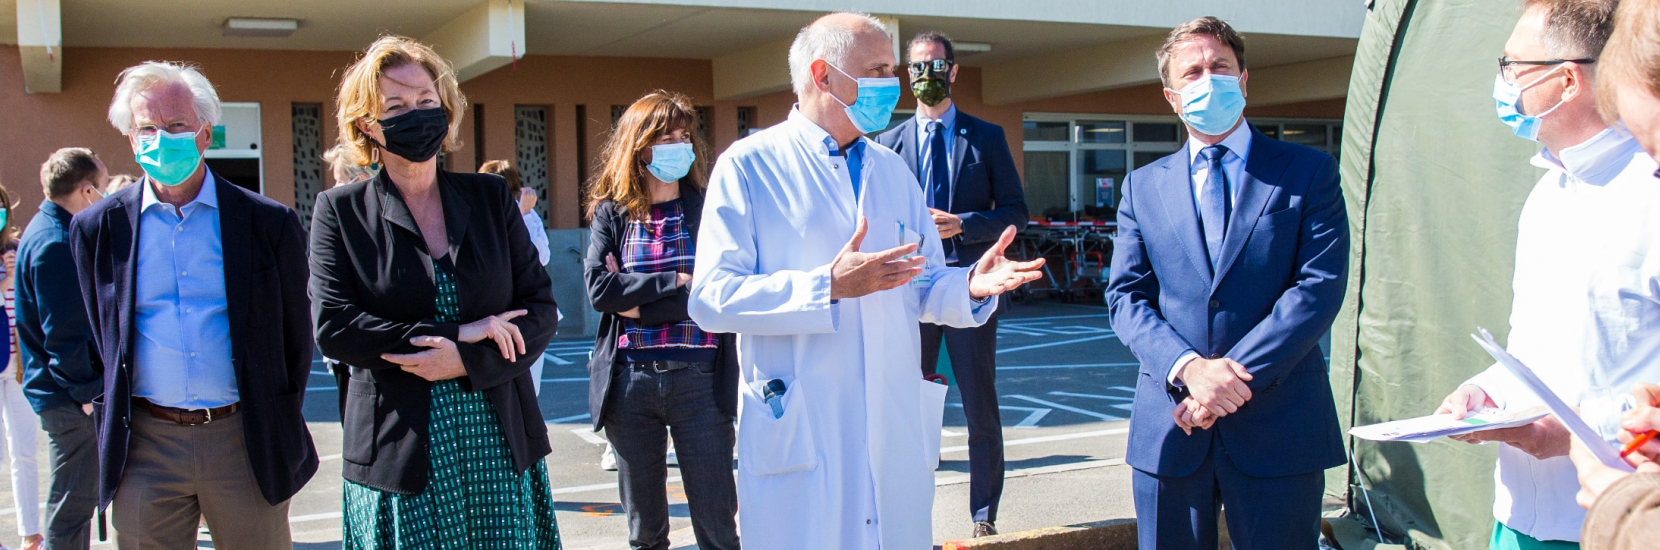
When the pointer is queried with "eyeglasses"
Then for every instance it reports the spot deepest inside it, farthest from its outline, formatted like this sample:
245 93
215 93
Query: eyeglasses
939 66
149 131
1505 64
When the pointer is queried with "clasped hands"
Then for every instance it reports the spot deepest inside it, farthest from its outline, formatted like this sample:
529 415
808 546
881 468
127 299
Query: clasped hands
442 361
1215 387
854 273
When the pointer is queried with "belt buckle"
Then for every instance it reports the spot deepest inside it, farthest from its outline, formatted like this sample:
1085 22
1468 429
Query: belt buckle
662 367
209 413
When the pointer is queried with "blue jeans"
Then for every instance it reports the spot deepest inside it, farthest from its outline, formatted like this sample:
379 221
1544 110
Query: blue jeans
646 407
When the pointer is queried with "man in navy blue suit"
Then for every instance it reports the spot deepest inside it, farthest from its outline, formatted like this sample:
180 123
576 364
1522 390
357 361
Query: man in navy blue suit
974 193
1229 266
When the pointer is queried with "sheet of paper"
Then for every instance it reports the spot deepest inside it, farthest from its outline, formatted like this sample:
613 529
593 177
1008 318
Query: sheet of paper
1429 428
1600 448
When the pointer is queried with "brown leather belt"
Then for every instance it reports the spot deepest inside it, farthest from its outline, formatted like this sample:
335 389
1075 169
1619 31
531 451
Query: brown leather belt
187 417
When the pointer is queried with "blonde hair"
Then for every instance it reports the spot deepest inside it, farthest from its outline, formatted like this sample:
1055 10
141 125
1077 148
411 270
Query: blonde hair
622 174
360 95
119 182
1632 55
337 159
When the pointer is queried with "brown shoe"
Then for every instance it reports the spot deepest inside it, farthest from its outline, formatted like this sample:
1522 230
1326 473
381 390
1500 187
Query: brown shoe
984 529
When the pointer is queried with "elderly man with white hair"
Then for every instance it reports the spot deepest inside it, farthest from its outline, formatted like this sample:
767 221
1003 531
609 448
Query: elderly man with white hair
196 292
818 249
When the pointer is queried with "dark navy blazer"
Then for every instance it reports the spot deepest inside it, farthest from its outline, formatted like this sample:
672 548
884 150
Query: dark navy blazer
986 192
1277 290
265 292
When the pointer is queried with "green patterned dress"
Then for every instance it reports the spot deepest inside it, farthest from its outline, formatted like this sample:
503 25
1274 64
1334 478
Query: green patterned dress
474 500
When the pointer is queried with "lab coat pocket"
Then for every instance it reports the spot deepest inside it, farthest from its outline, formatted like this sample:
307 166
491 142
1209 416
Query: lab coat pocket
933 421
771 446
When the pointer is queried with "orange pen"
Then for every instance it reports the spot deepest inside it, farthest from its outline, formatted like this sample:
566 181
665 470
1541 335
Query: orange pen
1637 442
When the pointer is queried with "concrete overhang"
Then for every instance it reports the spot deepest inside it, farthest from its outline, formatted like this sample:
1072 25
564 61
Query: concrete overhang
484 38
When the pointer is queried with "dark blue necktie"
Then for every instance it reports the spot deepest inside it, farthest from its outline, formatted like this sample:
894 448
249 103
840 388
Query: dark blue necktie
939 179
939 173
1213 203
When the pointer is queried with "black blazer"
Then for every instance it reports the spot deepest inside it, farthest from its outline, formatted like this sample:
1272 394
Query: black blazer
265 272
372 291
986 192
656 296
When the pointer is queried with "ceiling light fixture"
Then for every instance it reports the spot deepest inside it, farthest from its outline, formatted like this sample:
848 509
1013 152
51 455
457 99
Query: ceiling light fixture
972 47
260 27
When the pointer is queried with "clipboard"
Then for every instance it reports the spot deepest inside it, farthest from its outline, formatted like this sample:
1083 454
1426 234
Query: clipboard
1605 453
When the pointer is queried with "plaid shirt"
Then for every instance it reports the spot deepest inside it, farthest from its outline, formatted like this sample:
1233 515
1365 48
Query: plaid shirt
657 245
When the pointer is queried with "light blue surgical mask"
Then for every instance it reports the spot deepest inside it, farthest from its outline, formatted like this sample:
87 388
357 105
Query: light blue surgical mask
873 108
672 161
1212 105
168 158
1505 97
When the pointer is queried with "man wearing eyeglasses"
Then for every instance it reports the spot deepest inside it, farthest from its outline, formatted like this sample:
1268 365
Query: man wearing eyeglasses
974 193
1586 309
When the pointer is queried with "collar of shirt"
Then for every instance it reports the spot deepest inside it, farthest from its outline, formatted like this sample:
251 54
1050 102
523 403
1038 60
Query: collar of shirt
207 196
1238 143
811 132
1595 161
949 119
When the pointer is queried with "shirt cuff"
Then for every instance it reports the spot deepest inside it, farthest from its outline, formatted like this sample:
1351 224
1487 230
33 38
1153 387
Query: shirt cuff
1176 369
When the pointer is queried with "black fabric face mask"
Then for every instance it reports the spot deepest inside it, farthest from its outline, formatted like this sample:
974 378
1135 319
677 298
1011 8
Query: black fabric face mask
415 135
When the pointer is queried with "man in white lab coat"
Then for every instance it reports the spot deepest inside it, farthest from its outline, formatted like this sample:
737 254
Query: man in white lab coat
818 249
1586 310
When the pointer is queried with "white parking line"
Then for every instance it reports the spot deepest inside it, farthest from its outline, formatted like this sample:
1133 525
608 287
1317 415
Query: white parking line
587 434
1036 471
1077 366
1060 343
1030 421
571 418
1046 439
1086 412
1092 396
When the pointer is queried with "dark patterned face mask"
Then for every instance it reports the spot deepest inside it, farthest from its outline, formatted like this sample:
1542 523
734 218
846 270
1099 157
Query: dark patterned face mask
931 81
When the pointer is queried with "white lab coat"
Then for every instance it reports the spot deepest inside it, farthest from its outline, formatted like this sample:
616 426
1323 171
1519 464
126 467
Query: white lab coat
1585 317
847 466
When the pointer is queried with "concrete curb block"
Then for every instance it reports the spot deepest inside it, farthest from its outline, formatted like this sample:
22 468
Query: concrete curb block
1102 535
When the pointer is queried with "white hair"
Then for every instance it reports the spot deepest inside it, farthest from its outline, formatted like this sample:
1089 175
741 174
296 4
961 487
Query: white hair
155 74
826 41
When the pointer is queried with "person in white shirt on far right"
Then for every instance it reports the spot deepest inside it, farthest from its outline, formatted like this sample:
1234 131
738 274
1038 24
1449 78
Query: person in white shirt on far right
1586 310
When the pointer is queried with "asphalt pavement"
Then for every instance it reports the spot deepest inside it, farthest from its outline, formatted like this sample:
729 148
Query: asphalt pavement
1064 381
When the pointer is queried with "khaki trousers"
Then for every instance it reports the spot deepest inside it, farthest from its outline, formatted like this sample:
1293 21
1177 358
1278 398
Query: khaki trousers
177 475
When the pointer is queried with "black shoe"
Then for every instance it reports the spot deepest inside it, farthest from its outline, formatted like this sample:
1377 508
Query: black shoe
984 529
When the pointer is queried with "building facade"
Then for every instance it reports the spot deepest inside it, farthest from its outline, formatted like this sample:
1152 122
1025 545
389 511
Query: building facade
1074 84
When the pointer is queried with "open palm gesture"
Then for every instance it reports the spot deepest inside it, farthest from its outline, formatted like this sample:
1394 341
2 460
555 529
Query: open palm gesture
996 274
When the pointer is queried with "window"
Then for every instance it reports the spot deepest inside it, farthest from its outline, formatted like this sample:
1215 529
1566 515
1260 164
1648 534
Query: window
1075 165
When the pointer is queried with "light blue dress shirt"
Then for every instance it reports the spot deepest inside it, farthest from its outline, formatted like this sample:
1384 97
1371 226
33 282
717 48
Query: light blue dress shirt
855 154
924 158
1233 167
182 349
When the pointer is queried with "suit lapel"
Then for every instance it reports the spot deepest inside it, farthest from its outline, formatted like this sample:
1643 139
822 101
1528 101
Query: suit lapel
907 139
1175 196
959 151
235 240
133 209
1254 192
391 205
456 214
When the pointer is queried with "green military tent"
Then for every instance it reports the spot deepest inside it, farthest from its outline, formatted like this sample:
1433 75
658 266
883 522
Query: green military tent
1434 185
